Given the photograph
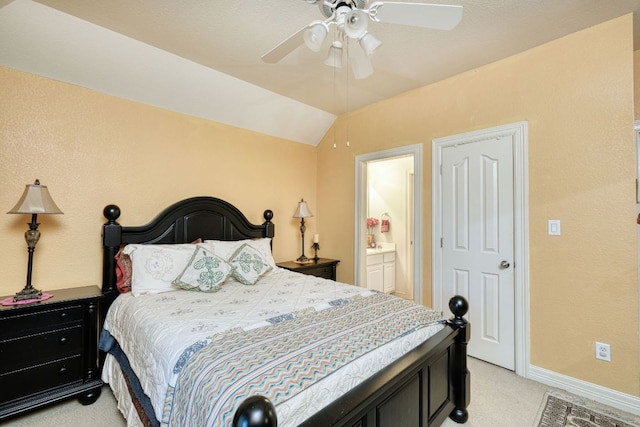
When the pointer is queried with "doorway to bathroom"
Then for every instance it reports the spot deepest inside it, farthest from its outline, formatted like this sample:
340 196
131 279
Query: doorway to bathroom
388 208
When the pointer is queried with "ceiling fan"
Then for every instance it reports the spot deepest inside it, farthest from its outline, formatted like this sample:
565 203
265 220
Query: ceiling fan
350 17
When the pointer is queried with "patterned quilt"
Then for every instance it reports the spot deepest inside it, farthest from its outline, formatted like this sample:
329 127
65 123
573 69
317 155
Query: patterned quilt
214 375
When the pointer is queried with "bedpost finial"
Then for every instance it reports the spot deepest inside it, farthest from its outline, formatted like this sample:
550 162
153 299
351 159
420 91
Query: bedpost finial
111 212
458 306
255 411
268 215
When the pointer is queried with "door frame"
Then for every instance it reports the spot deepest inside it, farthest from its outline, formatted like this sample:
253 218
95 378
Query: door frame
360 211
519 133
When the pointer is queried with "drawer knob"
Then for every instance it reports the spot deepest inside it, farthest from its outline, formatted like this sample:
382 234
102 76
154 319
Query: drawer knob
63 315
64 340
62 370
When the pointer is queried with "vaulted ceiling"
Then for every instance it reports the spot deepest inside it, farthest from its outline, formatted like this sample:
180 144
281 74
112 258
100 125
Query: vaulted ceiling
203 57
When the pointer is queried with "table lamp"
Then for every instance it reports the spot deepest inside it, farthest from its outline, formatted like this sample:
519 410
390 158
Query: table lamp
35 200
302 212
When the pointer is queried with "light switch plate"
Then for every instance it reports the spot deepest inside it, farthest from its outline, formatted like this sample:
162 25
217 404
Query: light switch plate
554 227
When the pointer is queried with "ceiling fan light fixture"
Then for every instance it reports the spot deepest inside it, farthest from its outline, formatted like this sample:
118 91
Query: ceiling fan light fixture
340 15
350 18
369 43
355 24
334 57
360 63
314 35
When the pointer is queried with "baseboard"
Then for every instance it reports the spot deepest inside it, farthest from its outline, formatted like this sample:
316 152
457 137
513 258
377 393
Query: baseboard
607 396
402 295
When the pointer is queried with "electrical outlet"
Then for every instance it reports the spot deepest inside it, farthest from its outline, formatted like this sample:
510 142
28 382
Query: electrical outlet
603 351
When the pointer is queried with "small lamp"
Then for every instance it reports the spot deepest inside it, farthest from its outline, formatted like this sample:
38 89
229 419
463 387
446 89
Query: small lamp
35 200
334 56
302 212
315 35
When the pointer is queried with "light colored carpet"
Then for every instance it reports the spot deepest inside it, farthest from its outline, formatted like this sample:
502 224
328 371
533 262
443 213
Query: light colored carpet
70 413
499 398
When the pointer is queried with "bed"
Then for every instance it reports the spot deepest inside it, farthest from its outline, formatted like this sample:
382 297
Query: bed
241 355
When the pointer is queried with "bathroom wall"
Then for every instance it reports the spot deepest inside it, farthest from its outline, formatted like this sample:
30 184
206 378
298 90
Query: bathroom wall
388 183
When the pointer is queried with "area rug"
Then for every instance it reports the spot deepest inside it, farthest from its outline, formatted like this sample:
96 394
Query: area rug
568 411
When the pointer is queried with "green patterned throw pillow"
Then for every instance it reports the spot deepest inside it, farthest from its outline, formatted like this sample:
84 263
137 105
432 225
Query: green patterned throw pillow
205 272
248 265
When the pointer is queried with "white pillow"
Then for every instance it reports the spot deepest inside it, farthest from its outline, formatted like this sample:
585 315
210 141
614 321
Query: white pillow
226 248
204 272
154 267
248 265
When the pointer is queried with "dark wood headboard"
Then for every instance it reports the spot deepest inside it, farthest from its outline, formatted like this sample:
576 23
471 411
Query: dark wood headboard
183 222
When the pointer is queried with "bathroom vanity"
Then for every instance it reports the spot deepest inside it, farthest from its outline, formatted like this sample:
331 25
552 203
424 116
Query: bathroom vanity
381 267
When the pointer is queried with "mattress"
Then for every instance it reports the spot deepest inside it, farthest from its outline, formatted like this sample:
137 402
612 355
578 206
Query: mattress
156 331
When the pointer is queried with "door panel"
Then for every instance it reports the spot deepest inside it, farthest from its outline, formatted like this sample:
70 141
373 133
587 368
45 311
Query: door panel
477 236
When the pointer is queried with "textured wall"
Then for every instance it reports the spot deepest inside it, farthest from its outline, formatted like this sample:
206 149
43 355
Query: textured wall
636 87
577 95
92 149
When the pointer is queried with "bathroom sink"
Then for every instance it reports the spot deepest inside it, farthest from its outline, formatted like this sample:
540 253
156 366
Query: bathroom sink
382 248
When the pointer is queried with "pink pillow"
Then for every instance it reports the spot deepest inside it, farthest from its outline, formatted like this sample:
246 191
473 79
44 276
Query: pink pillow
123 269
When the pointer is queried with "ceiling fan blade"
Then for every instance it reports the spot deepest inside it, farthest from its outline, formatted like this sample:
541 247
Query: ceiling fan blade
286 47
436 16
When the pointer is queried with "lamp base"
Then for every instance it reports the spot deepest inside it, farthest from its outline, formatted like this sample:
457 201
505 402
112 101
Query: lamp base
27 293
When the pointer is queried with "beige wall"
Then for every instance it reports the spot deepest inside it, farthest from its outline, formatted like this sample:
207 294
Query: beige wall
577 95
636 86
92 149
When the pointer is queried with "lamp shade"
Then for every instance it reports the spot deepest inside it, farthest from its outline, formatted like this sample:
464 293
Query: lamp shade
369 43
302 211
334 57
355 24
360 62
35 200
315 35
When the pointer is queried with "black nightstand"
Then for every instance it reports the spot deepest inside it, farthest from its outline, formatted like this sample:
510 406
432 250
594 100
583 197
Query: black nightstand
49 351
322 268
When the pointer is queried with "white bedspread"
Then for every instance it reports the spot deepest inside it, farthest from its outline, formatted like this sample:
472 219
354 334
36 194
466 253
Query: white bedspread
154 330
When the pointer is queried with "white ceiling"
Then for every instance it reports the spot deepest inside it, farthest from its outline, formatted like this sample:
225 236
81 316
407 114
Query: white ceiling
202 57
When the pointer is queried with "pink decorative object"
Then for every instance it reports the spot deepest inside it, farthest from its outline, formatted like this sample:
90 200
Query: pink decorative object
384 223
10 301
371 222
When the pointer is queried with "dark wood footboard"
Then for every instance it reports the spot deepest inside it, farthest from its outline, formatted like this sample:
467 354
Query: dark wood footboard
422 388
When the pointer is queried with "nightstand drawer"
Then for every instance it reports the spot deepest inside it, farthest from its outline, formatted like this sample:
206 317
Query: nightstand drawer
43 320
326 272
42 377
322 267
19 353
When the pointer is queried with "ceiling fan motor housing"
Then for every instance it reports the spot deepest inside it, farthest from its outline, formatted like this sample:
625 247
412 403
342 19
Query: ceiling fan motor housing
328 7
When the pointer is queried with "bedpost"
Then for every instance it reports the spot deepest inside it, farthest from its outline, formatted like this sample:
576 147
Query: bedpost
269 227
460 374
255 411
111 238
